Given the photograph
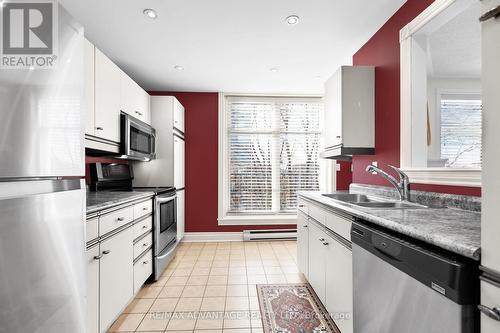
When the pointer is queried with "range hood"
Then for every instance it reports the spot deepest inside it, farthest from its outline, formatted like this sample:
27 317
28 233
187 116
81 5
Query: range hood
342 153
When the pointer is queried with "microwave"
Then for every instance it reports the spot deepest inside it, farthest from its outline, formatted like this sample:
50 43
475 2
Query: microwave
137 140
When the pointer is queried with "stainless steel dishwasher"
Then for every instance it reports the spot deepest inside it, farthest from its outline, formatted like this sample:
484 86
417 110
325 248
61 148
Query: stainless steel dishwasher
401 286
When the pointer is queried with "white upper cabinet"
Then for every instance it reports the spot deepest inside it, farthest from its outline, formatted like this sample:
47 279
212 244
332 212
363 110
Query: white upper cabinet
89 87
108 90
178 115
134 100
350 112
107 98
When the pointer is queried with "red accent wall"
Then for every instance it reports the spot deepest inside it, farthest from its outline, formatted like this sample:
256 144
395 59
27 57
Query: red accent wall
201 135
344 176
382 51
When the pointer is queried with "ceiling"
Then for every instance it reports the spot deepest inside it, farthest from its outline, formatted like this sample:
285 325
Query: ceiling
231 45
454 50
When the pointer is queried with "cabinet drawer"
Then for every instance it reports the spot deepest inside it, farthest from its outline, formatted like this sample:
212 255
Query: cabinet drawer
91 229
111 221
142 245
143 268
339 225
302 206
143 208
316 213
141 227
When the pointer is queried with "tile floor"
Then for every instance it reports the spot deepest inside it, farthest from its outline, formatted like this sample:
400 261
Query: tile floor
210 288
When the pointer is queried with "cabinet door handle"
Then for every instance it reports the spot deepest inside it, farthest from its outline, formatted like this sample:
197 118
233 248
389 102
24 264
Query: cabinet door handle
120 219
106 252
145 262
145 244
176 121
338 136
97 257
494 13
144 208
302 206
305 226
325 243
321 239
99 128
144 227
493 313
139 113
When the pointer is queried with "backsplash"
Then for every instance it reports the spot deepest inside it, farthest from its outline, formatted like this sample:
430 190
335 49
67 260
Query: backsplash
431 199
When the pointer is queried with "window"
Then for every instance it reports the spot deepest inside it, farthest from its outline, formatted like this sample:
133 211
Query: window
461 130
272 152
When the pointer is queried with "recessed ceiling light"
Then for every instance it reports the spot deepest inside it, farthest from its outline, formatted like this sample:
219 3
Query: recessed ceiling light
292 20
151 13
179 68
274 69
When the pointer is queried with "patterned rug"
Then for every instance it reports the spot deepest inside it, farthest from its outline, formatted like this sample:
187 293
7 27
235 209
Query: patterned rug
293 308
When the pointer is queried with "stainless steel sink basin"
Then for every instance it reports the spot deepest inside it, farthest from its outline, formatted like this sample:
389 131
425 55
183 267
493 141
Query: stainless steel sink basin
371 202
388 204
348 197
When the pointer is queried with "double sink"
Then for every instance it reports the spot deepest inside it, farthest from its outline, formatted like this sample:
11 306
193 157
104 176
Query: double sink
372 202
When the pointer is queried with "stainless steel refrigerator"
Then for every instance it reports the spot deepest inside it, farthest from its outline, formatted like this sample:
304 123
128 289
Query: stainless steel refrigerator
42 194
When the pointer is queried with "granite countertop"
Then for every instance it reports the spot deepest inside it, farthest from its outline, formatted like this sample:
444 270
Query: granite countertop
452 229
101 200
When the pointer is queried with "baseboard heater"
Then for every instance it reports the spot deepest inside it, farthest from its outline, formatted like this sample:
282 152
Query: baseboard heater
284 234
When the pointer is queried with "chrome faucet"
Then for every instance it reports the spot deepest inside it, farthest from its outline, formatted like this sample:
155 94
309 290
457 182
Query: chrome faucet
402 186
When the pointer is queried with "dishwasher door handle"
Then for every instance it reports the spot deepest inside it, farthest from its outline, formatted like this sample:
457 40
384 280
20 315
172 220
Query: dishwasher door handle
493 313
386 254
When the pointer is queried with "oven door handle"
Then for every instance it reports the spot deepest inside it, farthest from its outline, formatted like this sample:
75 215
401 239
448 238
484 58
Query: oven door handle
164 200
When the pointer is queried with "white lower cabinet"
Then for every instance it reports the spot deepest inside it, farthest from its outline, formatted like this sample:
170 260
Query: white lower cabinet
116 276
338 286
303 244
92 256
324 256
181 216
317 271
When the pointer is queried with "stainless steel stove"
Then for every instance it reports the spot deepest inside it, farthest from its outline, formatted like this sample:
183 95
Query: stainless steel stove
118 177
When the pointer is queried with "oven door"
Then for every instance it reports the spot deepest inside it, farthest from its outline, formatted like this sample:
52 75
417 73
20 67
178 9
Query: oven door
165 228
138 139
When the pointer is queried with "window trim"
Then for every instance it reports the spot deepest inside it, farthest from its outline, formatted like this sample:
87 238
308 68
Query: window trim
439 176
223 169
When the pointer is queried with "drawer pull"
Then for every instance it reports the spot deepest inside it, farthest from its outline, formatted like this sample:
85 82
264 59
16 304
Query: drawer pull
305 226
120 219
321 239
99 128
302 206
140 114
144 208
325 243
97 257
106 252
145 262
493 313
145 244
144 227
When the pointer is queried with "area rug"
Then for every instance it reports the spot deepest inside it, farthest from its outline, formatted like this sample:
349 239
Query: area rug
293 308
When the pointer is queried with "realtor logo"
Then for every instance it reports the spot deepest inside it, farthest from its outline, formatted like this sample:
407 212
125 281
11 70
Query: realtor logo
29 34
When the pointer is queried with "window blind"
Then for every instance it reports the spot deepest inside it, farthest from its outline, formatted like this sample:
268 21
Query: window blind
273 153
461 132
